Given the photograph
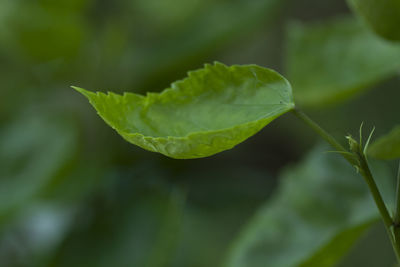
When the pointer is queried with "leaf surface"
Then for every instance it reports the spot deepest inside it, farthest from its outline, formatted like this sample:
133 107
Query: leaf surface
320 209
383 16
212 110
332 61
388 146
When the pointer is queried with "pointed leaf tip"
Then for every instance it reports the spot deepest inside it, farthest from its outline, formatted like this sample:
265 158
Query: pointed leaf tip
82 91
211 110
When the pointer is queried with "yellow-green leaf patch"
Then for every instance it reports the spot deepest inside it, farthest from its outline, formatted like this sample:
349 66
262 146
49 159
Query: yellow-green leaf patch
212 110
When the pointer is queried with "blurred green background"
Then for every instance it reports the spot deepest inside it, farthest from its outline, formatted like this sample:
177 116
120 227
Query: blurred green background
74 193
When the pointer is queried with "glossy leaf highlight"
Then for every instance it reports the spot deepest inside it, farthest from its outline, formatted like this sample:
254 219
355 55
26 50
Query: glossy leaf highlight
388 146
332 61
212 110
383 16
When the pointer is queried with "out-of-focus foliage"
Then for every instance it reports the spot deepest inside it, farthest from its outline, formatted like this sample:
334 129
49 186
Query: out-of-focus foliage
387 146
383 16
176 122
150 223
333 60
305 223
33 151
73 193
143 224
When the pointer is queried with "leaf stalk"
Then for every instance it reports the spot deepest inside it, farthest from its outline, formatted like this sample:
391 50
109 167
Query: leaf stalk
356 157
397 211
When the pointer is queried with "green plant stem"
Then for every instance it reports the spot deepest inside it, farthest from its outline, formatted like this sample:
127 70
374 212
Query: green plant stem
397 211
359 160
396 220
366 173
390 225
325 135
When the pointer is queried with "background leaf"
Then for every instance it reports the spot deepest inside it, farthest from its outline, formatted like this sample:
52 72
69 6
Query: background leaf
219 202
212 110
383 16
387 146
332 61
207 28
320 209
142 230
89 202
32 152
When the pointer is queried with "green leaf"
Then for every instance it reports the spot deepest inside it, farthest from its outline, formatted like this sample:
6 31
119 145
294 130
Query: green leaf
212 110
388 146
383 16
233 192
140 225
29 33
209 27
33 150
332 61
320 209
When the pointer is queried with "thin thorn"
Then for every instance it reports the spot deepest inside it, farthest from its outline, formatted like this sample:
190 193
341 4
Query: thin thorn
368 140
357 168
